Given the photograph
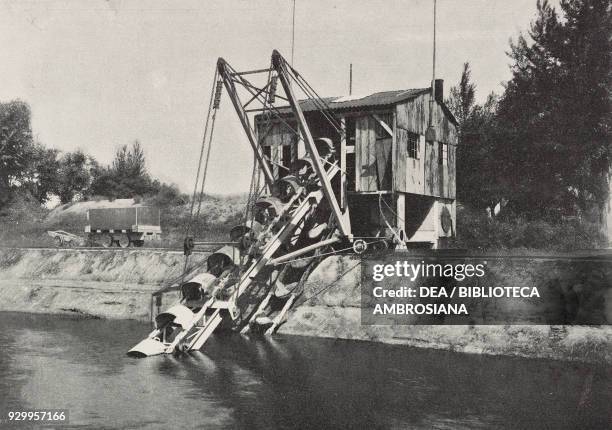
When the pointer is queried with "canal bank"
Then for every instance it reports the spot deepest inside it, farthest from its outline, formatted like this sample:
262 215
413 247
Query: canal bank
117 284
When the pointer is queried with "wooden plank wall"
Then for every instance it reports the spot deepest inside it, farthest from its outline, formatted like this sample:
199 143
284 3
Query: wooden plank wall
411 181
451 183
432 171
278 136
437 180
365 156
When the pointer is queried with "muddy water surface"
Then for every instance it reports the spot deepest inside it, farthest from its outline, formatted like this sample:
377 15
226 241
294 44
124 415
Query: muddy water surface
285 382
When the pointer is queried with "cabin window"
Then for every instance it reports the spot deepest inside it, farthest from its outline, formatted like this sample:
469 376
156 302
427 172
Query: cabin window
413 146
387 118
350 131
442 154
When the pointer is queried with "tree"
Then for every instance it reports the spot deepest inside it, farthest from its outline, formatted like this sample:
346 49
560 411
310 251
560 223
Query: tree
554 115
130 162
585 52
16 146
462 97
476 168
75 176
126 177
44 173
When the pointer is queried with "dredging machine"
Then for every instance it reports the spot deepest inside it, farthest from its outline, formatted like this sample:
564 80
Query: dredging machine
306 201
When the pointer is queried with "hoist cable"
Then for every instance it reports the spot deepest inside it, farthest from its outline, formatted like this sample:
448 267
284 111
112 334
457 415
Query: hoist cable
197 180
212 130
321 104
327 287
212 112
395 233
251 194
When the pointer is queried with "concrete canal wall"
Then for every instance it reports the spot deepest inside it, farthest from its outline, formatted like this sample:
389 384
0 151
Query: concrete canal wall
100 284
117 284
331 307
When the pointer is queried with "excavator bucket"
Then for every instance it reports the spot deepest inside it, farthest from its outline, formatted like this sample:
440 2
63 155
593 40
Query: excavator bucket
167 325
147 348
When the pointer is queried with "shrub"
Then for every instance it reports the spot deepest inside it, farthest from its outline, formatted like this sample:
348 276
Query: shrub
475 230
21 222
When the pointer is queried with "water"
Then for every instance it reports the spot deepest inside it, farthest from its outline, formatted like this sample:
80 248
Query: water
285 382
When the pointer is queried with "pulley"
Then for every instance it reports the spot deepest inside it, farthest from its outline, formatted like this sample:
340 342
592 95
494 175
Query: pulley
360 246
272 92
188 246
218 91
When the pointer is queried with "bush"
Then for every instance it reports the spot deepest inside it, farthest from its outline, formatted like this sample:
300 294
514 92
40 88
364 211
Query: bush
218 215
475 230
22 222
166 195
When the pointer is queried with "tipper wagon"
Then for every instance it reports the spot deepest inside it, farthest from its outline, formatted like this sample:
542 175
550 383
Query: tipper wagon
123 226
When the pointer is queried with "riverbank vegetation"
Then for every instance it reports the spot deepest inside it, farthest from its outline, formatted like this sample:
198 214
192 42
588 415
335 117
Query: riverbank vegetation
533 163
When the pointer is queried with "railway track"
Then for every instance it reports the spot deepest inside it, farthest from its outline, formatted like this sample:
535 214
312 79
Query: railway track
596 254
100 248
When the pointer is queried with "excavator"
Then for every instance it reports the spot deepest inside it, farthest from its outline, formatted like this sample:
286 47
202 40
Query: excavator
291 222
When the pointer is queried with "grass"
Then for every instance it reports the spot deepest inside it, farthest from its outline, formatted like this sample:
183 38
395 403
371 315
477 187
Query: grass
25 222
478 231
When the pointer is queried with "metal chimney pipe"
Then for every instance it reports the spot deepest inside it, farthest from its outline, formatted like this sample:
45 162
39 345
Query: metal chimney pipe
430 133
439 90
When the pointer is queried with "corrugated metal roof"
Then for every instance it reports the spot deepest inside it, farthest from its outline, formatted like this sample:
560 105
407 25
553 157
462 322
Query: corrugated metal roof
384 98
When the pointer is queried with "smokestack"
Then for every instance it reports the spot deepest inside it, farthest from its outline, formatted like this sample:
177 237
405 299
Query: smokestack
351 79
430 133
439 90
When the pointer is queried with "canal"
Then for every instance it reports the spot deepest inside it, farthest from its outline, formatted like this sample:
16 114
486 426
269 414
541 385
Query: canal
285 382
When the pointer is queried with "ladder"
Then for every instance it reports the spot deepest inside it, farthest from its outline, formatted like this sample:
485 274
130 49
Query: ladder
193 328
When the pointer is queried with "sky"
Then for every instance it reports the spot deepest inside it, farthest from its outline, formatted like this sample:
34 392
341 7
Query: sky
99 74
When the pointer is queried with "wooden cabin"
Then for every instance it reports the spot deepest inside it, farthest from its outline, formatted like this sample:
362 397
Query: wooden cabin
395 181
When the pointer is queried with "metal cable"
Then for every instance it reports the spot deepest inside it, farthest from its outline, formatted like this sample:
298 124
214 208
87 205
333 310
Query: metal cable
395 233
327 287
212 130
195 187
208 119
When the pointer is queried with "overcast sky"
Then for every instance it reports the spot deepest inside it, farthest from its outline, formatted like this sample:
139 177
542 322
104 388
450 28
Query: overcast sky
99 74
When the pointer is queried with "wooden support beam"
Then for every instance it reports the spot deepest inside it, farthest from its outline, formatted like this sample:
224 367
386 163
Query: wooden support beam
400 212
383 124
279 318
343 178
